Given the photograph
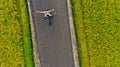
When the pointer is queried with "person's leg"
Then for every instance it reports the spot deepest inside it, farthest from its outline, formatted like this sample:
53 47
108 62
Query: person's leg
45 16
49 14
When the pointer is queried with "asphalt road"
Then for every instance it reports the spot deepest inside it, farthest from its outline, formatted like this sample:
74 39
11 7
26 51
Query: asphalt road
54 42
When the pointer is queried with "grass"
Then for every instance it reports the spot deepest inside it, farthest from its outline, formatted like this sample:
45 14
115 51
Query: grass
97 25
80 33
15 40
28 52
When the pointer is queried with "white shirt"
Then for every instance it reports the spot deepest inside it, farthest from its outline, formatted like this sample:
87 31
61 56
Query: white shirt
47 13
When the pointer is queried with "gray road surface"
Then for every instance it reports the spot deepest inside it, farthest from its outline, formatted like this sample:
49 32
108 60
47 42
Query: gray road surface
54 42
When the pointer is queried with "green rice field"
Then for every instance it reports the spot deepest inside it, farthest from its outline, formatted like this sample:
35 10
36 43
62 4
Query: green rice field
15 39
97 24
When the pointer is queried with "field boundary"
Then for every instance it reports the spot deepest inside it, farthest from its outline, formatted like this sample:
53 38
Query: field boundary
34 42
27 46
80 33
73 37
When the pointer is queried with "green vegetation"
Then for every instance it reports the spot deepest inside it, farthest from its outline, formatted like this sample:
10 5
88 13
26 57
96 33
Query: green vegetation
81 37
97 25
28 52
15 40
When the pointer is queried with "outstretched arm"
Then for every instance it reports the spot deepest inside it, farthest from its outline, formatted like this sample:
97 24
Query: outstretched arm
51 10
40 11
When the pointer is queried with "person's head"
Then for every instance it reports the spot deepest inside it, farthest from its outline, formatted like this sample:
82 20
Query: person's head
47 9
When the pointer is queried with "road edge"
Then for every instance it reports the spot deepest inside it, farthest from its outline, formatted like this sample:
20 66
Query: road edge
34 42
73 36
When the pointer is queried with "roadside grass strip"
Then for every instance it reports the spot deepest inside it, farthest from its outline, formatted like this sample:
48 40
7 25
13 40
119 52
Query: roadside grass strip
28 51
80 33
15 40
100 21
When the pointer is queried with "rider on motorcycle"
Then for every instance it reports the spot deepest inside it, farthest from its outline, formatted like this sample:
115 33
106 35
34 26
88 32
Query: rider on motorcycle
46 12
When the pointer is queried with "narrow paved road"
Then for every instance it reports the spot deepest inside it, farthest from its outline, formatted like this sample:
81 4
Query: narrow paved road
54 42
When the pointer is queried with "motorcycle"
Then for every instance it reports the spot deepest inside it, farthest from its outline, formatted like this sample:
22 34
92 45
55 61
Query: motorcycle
48 18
